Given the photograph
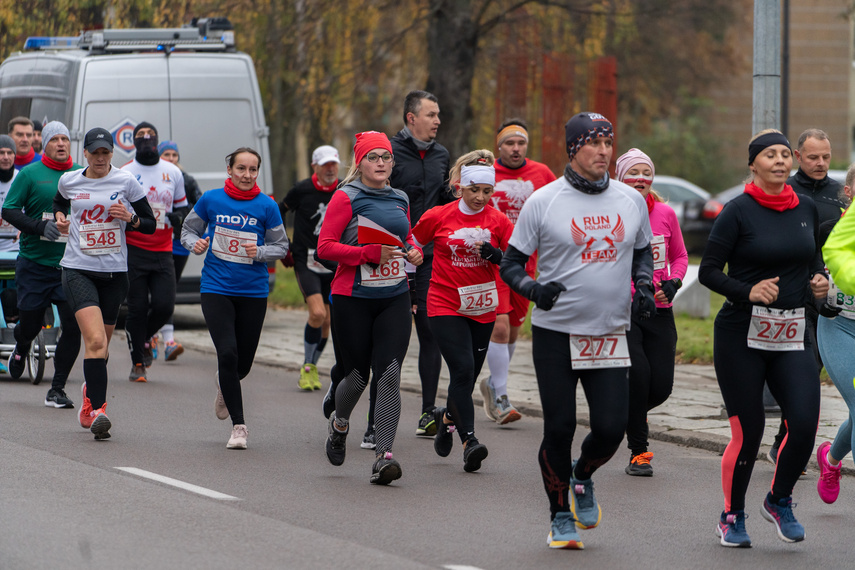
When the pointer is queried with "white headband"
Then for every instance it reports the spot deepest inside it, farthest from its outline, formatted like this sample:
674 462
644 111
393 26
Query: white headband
471 175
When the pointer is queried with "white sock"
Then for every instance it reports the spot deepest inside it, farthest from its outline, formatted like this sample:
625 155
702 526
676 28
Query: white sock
168 332
512 346
498 361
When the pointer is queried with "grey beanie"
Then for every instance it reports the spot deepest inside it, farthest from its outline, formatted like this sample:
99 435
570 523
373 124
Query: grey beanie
7 142
52 129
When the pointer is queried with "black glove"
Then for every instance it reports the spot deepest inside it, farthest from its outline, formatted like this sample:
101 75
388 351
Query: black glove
643 302
670 288
491 254
50 231
544 296
828 311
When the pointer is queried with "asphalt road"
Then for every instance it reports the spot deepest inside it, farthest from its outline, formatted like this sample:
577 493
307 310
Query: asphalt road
71 502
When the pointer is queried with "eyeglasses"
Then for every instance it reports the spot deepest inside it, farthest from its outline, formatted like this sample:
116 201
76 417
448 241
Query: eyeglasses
374 157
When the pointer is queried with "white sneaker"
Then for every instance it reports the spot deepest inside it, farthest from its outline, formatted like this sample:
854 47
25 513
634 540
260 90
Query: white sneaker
489 397
506 412
220 404
238 438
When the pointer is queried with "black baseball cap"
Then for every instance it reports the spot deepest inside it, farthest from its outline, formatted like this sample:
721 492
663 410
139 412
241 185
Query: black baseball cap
98 138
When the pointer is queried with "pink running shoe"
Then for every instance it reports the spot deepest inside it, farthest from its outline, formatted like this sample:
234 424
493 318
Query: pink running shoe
828 485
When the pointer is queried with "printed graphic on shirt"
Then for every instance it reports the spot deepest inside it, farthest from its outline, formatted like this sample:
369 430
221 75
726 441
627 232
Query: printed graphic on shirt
464 252
510 196
322 210
598 234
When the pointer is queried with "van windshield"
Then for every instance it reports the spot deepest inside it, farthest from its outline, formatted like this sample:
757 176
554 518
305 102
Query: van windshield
38 109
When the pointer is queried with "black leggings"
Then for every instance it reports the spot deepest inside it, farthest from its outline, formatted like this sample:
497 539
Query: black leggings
652 348
793 381
430 358
371 334
151 296
607 392
67 347
463 343
235 325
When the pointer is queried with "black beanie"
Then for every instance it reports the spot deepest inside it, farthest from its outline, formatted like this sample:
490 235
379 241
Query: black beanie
144 125
583 128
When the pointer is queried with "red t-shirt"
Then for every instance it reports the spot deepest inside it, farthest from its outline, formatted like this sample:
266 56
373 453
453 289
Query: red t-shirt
462 282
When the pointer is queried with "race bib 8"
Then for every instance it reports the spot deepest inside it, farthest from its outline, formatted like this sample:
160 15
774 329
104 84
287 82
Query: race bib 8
603 351
660 253
478 299
63 237
315 266
777 329
228 245
386 275
100 239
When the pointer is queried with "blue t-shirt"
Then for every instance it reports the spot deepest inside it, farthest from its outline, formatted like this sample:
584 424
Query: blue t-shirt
225 216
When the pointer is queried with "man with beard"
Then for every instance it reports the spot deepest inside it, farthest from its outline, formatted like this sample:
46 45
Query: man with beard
151 271
37 136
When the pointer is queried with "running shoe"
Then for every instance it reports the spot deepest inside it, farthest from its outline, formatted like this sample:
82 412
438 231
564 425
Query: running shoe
84 414
172 350
305 381
148 353
385 469
238 438
584 504
17 364
506 412
473 454
315 377
101 424
427 425
336 443
731 530
369 440
639 465
781 514
3 368
828 485
489 397
57 398
563 533
137 373
443 440
329 401
153 342
220 408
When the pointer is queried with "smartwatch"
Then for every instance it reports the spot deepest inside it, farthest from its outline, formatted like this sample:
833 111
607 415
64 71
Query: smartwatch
135 220
678 282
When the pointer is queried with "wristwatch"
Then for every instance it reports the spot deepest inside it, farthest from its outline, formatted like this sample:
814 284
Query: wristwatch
135 220
678 282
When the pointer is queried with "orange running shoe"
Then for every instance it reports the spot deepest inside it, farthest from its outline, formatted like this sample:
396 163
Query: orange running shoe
639 465
101 424
84 414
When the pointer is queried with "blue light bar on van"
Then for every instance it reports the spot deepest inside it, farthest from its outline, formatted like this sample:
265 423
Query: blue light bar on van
59 42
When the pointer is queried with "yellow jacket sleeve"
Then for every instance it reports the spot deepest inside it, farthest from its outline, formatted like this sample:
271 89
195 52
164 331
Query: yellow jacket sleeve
839 253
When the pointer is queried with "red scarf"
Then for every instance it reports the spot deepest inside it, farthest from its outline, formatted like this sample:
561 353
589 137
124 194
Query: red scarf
26 159
322 188
238 194
51 163
786 200
651 201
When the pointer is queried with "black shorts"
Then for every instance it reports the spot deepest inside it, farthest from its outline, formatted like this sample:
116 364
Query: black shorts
312 283
93 289
38 285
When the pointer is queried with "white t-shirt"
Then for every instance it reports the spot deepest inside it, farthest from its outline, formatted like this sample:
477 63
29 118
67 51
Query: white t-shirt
8 232
163 184
585 242
96 240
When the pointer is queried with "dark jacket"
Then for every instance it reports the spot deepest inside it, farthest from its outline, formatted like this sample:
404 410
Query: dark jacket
425 181
825 194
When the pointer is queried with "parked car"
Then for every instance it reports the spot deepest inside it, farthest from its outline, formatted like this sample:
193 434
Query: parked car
688 201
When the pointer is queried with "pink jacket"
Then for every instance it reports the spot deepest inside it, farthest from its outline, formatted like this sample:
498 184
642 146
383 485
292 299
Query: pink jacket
670 259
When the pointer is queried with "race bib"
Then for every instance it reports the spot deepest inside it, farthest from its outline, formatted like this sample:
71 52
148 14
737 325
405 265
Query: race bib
63 237
159 209
478 299
7 229
777 329
228 245
386 275
315 266
660 254
100 239
837 298
604 351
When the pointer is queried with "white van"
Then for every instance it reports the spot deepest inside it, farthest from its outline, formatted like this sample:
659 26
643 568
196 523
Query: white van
190 83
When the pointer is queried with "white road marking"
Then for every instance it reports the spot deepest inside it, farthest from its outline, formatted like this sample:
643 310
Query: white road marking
176 483
460 567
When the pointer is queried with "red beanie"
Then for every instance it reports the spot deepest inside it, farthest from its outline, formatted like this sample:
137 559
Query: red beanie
368 141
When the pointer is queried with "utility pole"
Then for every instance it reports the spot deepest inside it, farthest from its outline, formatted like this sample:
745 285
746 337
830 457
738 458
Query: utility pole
767 65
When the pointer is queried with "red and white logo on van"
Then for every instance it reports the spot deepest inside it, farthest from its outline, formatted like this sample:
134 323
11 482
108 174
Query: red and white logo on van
123 134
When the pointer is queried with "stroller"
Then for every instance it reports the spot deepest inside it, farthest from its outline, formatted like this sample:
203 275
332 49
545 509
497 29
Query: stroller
44 345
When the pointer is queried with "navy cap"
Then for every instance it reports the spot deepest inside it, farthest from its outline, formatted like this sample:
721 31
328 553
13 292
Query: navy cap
98 138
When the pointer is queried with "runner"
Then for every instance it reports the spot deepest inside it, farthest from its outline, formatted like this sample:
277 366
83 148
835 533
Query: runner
247 233
469 237
768 238
308 200
91 207
652 342
592 235
29 208
151 270
516 178
8 172
370 296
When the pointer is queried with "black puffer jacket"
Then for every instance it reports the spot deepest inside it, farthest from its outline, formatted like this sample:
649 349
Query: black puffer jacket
824 192
424 180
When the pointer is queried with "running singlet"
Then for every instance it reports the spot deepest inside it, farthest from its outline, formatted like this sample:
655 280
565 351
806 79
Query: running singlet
8 232
96 240
585 242
462 283
163 184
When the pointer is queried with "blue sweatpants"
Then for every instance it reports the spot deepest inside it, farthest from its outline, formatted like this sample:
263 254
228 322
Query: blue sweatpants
836 339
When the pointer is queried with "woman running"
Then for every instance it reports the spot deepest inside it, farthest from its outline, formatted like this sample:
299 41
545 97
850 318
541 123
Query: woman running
768 239
244 232
653 341
91 205
367 231
836 337
469 237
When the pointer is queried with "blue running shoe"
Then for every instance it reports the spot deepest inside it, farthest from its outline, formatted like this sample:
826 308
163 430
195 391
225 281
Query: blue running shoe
731 530
563 533
584 504
789 529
